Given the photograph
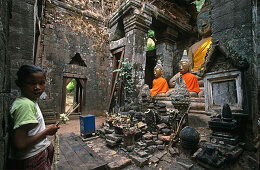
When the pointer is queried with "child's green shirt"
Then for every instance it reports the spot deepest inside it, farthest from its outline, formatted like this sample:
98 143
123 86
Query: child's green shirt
25 112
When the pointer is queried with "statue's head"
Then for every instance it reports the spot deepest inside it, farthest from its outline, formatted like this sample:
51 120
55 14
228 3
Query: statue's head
204 20
158 71
184 66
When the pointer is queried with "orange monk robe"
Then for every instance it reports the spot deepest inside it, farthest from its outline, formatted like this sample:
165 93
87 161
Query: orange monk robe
191 82
159 86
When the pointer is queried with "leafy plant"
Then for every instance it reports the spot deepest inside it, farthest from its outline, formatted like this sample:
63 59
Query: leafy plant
150 40
70 86
125 77
199 4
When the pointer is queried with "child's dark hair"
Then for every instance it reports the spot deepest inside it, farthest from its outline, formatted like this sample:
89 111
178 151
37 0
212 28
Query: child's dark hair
25 71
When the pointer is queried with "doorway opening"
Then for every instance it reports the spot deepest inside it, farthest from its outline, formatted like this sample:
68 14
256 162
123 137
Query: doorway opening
73 92
116 97
149 67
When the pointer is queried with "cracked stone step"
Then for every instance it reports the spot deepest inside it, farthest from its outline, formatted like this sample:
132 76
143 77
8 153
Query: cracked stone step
119 164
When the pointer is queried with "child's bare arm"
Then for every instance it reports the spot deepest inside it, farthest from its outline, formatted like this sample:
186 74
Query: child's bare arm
21 140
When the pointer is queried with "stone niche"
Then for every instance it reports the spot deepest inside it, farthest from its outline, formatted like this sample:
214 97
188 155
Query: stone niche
222 82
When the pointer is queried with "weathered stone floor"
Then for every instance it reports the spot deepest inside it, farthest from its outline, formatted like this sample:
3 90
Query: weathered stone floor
93 152
117 157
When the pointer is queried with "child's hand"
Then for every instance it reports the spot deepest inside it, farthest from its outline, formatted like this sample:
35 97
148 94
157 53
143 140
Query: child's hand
51 129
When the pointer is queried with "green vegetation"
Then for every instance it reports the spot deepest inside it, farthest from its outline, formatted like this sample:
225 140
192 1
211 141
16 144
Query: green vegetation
150 41
199 4
125 76
70 86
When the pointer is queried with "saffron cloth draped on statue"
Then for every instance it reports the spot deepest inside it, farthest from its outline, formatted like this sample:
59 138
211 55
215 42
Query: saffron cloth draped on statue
159 86
191 82
199 55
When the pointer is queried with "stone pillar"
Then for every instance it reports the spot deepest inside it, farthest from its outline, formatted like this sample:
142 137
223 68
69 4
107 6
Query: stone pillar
165 51
136 26
4 80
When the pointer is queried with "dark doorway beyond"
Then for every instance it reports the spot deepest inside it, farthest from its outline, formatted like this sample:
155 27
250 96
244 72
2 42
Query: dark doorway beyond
149 66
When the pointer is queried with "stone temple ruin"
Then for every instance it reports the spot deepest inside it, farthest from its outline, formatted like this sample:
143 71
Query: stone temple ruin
94 44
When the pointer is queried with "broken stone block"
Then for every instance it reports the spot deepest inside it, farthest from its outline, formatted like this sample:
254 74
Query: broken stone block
142 154
162 110
111 143
141 144
151 149
138 134
161 126
109 130
113 165
101 132
155 138
141 125
145 129
166 131
154 133
139 115
148 136
139 161
165 119
123 149
164 138
174 151
161 104
185 165
130 148
160 147
167 158
129 139
113 137
159 155
154 159
158 142
149 142
119 164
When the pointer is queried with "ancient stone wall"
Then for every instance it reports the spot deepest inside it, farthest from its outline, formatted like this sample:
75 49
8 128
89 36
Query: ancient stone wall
234 26
67 31
258 40
21 39
258 51
5 9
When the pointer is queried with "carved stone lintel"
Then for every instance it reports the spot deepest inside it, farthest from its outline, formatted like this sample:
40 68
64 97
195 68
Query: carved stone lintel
169 35
137 21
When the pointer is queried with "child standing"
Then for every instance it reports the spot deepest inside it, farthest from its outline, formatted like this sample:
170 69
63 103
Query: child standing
30 149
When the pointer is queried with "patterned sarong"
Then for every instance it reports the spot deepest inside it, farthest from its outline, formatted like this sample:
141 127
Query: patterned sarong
40 161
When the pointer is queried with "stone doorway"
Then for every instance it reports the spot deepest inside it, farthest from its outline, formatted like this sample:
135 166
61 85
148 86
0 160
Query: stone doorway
116 92
79 93
149 66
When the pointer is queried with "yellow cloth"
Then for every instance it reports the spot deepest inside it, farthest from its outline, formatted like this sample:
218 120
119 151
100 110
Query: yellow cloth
159 86
199 55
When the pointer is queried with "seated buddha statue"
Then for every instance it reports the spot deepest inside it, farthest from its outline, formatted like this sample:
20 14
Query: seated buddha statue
190 79
198 51
160 85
